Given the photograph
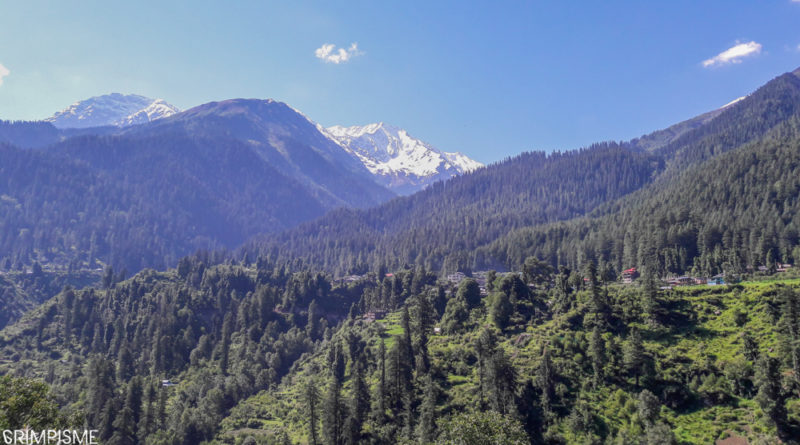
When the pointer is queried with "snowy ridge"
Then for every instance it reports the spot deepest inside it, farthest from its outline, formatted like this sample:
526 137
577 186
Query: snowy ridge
733 102
397 159
115 109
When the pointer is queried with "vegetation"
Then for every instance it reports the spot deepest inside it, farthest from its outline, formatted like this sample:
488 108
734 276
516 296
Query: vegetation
135 203
471 210
28 404
719 197
22 291
264 345
577 375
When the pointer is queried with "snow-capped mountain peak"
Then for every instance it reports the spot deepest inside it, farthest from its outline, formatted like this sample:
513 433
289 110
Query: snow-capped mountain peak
397 159
112 109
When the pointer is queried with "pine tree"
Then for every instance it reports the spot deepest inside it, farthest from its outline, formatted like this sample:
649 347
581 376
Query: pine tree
333 415
649 295
790 325
124 363
133 398
470 291
405 323
311 400
337 362
225 344
770 395
124 428
313 325
359 405
147 422
426 427
424 325
400 373
598 355
749 347
100 394
501 310
530 411
379 408
484 347
503 378
546 380
633 354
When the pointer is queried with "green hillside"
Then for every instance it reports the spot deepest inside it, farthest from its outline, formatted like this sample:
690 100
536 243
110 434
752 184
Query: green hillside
706 361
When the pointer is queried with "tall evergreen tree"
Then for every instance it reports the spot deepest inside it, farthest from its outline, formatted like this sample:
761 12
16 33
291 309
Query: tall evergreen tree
770 396
597 354
359 405
334 415
379 406
426 427
311 400
424 326
634 354
546 380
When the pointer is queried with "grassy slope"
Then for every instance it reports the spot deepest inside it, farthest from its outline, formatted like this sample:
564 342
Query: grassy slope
711 336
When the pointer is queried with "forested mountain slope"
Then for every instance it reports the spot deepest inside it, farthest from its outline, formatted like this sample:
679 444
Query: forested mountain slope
39 134
745 121
23 291
228 352
144 196
444 226
736 211
580 362
440 226
287 141
222 332
138 202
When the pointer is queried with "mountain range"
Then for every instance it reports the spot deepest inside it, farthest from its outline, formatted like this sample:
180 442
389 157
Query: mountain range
567 207
359 322
209 177
397 161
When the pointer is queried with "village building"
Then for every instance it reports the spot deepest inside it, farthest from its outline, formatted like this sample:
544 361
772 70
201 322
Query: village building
456 278
374 314
716 280
629 275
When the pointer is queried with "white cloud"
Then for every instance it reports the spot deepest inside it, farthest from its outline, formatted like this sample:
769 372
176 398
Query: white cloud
3 73
733 54
330 54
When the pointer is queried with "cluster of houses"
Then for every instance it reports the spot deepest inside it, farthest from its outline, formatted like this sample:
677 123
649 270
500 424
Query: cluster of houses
691 281
374 314
480 277
629 275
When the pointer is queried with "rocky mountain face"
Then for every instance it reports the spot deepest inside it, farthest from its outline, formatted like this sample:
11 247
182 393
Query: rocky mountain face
398 160
114 109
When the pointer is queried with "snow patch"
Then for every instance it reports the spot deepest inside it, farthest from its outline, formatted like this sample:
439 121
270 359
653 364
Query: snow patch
114 109
398 159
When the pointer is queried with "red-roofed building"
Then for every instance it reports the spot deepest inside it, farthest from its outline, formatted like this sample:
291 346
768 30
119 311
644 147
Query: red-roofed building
629 275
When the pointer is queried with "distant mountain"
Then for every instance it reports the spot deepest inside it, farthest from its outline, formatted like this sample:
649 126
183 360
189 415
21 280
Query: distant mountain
398 160
660 138
440 226
114 109
145 195
136 202
287 140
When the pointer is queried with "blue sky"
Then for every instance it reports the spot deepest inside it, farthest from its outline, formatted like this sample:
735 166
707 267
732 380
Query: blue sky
490 79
